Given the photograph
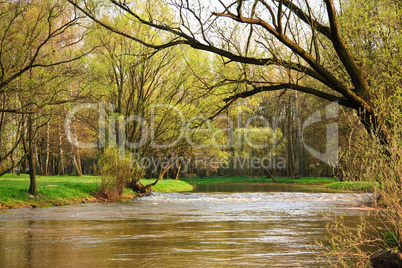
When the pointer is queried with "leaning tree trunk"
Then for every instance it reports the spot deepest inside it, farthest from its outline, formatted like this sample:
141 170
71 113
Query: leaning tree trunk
376 126
138 187
178 172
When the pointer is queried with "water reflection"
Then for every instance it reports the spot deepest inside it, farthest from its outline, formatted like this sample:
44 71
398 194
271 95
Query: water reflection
174 230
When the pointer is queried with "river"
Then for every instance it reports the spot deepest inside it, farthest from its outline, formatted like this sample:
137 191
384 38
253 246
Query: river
214 226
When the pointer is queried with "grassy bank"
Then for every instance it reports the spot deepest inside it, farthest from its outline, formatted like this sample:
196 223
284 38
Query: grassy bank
330 183
356 186
65 190
52 190
261 180
169 186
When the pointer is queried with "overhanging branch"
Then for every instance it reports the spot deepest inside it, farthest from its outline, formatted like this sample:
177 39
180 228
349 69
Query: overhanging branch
185 39
309 90
314 24
38 109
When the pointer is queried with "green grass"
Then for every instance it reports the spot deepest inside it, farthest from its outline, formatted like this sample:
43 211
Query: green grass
330 183
361 186
261 180
64 190
169 186
307 180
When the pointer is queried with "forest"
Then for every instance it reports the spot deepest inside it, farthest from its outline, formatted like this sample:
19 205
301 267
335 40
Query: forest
174 88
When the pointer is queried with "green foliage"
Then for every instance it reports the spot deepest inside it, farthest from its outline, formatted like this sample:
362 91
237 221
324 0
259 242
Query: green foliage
258 141
378 168
65 190
372 31
363 186
390 238
307 180
262 180
52 190
349 247
372 28
115 172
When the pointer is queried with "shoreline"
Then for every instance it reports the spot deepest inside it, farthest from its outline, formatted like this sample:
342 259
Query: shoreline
72 190
67 190
327 183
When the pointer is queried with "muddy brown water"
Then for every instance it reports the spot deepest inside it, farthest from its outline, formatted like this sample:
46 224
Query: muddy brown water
214 226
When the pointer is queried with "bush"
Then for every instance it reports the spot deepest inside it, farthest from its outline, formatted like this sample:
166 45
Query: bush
379 164
115 172
363 186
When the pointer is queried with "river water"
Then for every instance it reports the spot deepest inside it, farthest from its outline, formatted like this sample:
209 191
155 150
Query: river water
215 226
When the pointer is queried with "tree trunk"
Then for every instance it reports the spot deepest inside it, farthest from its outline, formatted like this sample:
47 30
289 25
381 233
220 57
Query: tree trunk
147 189
289 144
142 190
2 116
74 153
61 166
31 159
37 160
18 157
32 172
47 149
178 172
299 135
24 166
269 174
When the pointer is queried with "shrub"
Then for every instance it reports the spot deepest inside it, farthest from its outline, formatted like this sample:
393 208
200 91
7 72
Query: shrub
380 164
115 172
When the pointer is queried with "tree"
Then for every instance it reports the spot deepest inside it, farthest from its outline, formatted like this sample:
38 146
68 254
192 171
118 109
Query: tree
289 35
145 96
32 33
39 40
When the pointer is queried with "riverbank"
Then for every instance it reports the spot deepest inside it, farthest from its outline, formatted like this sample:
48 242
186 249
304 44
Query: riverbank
325 182
261 180
357 186
66 190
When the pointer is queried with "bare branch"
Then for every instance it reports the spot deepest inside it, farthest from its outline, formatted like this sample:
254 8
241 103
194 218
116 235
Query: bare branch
39 108
309 90
314 24
354 71
30 67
